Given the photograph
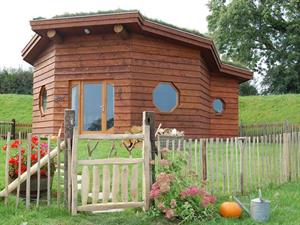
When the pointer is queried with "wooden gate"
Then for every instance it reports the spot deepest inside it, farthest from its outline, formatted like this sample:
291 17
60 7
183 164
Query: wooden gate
114 181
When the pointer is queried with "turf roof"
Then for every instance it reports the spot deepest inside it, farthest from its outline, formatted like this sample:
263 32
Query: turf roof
191 31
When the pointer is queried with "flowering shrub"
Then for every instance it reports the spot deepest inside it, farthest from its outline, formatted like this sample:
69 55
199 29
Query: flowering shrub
35 148
176 194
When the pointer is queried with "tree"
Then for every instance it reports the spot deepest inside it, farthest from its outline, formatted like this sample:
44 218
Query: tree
16 81
263 35
247 89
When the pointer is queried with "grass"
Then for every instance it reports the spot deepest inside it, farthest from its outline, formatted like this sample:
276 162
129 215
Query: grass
269 109
252 109
17 107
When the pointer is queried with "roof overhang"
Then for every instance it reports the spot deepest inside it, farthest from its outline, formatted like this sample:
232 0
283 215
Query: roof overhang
133 21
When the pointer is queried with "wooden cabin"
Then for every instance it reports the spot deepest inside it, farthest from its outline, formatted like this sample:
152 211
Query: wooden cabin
110 68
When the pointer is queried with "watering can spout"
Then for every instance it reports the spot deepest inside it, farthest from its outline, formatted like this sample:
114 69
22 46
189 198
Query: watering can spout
242 205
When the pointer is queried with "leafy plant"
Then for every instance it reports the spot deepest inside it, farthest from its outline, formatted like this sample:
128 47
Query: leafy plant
176 194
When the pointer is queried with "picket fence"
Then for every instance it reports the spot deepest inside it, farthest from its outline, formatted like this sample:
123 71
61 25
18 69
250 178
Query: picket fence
240 164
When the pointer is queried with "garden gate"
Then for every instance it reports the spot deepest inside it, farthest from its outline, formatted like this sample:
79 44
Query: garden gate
112 175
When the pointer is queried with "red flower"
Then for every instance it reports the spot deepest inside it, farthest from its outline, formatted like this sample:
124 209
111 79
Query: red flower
15 144
43 172
23 168
35 140
12 161
34 157
4 147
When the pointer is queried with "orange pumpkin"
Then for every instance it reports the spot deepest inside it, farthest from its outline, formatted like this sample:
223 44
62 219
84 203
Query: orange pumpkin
230 210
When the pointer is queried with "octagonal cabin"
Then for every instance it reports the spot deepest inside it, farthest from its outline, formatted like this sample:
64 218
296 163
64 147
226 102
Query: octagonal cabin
110 68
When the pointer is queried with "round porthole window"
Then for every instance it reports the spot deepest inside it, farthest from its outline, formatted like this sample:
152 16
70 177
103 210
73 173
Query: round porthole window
165 97
218 105
43 100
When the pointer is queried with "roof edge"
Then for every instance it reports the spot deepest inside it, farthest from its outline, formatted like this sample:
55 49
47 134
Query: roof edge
146 25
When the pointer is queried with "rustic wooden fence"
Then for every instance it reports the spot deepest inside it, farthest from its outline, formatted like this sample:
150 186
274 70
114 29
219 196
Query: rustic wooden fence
29 170
268 128
239 165
14 128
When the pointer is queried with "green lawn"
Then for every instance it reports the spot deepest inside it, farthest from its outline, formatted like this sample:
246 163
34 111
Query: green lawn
269 109
17 107
252 109
285 209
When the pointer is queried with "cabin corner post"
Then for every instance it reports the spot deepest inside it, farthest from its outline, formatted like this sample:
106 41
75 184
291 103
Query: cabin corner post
69 123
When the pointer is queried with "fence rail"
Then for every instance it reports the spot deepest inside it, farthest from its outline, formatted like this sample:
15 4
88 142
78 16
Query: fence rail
239 165
14 128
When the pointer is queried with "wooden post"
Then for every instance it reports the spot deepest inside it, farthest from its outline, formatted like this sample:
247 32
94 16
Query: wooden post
286 157
74 174
146 157
204 161
242 163
69 123
7 167
13 129
29 136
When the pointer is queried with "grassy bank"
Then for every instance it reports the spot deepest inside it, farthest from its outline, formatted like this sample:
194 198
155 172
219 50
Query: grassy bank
252 109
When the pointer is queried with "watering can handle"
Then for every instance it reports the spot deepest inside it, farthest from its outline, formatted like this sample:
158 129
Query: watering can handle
260 195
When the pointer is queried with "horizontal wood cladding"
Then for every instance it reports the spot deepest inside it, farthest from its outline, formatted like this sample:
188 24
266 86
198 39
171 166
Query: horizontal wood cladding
136 66
43 75
154 61
226 123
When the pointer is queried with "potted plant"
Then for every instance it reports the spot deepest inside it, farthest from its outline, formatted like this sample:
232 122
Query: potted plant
36 147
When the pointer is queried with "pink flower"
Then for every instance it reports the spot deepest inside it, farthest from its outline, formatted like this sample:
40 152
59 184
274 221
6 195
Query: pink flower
161 206
173 203
169 213
154 193
208 199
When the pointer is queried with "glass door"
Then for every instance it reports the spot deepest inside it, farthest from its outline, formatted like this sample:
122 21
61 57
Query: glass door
93 103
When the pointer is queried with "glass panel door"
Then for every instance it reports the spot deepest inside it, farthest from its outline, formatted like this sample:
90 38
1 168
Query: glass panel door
92 107
110 99
75 101
93 103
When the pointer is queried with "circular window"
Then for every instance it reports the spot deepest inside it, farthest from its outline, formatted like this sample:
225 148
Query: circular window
218 105
43 100
165 97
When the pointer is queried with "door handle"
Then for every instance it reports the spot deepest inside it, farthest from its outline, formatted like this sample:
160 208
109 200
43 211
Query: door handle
102 108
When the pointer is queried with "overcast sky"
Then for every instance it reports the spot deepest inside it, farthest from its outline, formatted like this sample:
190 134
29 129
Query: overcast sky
16 14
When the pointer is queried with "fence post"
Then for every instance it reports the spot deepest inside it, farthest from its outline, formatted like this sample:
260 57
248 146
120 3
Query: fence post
146 156
13 129
204 161
242 163
286 154
69 123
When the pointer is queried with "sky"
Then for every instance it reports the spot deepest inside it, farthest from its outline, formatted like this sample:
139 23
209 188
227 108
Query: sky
16 14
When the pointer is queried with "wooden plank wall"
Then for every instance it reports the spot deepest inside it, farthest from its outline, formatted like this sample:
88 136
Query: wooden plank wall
44 75
136 65
155 60
226 124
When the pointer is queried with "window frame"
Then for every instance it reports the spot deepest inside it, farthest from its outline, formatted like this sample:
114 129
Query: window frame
80 84
177 96
41 94
212 105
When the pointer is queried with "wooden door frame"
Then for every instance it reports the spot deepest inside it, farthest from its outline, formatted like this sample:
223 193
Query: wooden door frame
80 84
